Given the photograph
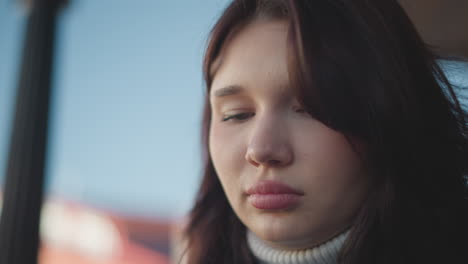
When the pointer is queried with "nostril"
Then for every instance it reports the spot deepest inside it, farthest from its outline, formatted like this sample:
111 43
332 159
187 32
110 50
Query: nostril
256 164
270 156
249 158
274 162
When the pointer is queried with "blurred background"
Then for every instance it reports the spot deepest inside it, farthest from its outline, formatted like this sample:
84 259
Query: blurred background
123 159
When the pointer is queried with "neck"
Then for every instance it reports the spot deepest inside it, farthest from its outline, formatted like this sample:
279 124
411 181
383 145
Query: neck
326 252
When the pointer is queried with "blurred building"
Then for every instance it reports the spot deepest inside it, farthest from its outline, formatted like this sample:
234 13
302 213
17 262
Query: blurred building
74 233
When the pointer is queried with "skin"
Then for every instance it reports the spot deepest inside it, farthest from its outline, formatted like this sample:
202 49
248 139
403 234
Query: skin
260 132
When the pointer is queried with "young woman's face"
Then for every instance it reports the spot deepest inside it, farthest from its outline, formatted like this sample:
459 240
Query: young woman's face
290 179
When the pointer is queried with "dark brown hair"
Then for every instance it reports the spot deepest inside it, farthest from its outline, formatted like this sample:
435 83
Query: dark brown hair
359 67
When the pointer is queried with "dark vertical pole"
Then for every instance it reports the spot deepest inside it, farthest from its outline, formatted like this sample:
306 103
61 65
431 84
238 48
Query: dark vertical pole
23 189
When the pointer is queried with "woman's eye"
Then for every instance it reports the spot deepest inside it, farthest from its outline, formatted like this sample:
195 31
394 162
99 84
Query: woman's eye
299 110
238 117
302 111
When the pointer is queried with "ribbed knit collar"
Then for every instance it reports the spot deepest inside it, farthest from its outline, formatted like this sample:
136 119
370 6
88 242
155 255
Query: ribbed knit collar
326 253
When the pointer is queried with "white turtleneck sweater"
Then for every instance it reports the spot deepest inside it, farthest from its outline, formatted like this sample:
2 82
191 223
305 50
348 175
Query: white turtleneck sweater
325 253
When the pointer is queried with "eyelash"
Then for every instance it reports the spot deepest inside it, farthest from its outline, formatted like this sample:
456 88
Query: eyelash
243 116
237 117
300 110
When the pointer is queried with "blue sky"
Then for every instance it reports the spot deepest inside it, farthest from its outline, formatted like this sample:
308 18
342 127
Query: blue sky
127 103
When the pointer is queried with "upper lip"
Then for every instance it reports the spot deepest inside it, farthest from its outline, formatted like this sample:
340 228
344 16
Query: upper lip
272 187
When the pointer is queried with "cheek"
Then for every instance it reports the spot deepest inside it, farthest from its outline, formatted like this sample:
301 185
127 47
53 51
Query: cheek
335 183
334 168
218 142
225 148
226 153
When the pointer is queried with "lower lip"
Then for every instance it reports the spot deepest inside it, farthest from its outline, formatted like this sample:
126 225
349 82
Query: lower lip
274 201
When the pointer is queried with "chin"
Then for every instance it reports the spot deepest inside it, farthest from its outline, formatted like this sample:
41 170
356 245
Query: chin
279 230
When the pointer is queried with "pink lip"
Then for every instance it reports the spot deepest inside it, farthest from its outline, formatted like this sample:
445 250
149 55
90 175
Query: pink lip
273 195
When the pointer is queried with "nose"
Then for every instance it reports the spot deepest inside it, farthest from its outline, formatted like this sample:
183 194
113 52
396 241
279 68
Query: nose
269 144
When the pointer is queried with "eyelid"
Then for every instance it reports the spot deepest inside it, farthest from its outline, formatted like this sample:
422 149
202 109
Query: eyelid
302 111
234 117
299 108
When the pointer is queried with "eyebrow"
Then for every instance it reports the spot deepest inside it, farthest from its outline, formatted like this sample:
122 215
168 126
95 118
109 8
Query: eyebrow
228 90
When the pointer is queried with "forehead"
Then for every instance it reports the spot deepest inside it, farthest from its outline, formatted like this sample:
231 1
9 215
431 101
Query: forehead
255 57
